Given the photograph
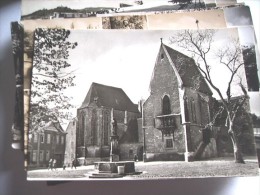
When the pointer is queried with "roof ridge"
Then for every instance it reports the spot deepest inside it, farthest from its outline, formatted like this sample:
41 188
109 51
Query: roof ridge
168 47
94 83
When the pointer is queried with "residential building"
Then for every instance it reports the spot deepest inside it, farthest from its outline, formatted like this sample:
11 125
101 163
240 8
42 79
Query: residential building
45 143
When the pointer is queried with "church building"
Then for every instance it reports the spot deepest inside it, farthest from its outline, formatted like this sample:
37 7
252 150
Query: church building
178 108
172 124
101 105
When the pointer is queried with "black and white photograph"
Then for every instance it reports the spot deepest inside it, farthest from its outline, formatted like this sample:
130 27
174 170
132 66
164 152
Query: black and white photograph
223 3
53 9
208 19
144 105
124 22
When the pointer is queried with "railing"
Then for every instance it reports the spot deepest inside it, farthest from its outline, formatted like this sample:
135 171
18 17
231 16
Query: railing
166 121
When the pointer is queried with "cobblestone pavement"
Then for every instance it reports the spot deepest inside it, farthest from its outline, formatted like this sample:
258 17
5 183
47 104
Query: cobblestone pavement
159 170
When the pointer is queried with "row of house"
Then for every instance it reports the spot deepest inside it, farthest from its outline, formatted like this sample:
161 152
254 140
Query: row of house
169 126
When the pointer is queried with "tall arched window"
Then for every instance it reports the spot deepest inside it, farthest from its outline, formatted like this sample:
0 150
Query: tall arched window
166 106
82 130
186 110
93 128
106 127
193 111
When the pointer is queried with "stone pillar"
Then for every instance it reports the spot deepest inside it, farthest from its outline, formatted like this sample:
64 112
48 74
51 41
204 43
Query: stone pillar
188 147
114 149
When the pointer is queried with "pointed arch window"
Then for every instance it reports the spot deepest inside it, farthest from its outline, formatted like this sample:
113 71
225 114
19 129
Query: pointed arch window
93 128
82 130
166 105
186 110
193 111
106 127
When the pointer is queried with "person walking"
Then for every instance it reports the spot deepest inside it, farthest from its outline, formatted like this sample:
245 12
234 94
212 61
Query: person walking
74 163
50 164
54 164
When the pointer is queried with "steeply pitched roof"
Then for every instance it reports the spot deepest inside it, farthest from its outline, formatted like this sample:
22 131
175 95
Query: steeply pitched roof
108 96
187 70
53 126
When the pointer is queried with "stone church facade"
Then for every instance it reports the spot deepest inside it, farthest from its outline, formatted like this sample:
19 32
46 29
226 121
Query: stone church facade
172 123
101 105
177 109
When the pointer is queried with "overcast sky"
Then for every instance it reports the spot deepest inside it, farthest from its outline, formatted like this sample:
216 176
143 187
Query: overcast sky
124 59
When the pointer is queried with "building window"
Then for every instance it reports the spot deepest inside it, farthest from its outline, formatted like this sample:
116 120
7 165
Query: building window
166 106
42 138
93 139
35 138
169 143
186 110
34 155
48 138
204 111
57 139
41 156
47 155
106 127
131 153
62 139
193 111
162 56
82 130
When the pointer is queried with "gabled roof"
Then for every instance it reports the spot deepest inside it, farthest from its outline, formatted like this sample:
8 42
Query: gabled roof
53 126
186 70
108 96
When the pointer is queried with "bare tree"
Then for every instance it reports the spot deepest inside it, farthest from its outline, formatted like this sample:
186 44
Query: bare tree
199 44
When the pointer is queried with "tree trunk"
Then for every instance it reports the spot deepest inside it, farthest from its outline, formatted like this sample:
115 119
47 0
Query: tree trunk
237 151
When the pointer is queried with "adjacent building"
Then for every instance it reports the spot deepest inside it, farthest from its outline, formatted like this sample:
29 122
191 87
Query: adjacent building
47 142
101 105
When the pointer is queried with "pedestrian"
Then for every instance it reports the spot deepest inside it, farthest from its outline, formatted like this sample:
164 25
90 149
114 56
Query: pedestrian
135 158
54 164
50 164
64 166
74 163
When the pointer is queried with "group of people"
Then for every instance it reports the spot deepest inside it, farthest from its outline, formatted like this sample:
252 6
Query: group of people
52 164
74 164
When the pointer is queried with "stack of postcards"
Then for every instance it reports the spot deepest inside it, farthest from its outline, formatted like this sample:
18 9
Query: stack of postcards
136 90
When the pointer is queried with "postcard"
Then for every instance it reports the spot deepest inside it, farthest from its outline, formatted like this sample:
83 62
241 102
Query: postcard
53 9
147 104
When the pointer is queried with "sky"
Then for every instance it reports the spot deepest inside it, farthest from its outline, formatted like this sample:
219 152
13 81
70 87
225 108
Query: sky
125 61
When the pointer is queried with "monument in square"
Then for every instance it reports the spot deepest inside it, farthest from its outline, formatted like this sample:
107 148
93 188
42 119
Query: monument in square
115 167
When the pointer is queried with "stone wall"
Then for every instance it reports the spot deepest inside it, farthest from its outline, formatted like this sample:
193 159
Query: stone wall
128 151
92 122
